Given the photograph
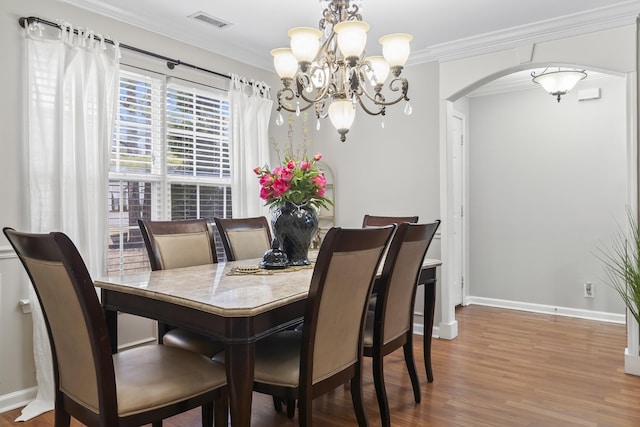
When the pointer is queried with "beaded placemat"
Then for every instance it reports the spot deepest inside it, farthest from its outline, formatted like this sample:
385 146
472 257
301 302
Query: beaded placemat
243 270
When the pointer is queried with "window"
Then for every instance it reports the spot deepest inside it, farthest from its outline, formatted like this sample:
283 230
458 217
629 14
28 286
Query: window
170 159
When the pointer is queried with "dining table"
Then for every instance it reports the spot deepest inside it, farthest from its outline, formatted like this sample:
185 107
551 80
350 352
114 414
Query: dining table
234 302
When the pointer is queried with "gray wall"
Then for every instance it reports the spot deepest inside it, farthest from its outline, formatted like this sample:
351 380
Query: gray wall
547 188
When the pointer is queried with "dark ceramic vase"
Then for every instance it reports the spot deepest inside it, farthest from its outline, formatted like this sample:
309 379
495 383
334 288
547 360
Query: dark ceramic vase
294 227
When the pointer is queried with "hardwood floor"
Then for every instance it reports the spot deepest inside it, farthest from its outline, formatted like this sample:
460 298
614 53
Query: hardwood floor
506 368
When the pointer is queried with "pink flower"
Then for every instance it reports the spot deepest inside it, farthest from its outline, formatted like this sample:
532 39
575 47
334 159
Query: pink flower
296 180
319 181
280 187
286 175
266 180
265 194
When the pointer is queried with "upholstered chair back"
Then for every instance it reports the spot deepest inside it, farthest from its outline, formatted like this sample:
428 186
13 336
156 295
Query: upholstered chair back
408 247
244 238
181 243
338 298
69 304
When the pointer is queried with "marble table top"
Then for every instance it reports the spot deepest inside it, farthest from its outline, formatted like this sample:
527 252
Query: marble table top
219 288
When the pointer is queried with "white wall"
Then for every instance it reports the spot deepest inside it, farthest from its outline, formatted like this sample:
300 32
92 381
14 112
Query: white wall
547 189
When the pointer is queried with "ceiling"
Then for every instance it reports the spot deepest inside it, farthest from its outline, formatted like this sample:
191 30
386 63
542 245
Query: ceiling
439 27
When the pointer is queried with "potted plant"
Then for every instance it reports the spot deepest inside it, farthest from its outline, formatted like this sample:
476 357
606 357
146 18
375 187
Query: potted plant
622 265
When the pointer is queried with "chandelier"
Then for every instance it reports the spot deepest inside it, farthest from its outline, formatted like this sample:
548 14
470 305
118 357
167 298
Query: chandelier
326 68
558 83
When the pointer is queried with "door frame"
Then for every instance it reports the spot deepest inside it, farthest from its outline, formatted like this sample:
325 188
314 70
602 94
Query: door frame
464 201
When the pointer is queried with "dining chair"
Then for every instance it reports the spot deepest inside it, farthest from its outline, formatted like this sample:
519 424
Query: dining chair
244 238
130 388
327 352
390 325
377 221
174 244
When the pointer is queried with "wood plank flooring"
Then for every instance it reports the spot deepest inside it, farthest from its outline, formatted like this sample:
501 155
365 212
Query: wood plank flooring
506 368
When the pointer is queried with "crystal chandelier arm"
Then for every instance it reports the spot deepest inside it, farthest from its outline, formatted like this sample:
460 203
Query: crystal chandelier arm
287 94
379 99
302 80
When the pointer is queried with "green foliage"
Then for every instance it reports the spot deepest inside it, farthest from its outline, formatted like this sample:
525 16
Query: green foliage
622 265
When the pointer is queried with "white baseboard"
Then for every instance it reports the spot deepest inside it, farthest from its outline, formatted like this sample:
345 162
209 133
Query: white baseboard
17 399
418 329
549 309
631 363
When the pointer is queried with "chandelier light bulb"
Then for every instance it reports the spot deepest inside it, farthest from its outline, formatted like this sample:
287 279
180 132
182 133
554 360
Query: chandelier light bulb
285 62
352 37
305 42
379 69
342 114
396 49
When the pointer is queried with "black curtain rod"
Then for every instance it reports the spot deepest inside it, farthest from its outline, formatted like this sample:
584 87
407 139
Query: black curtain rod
171 63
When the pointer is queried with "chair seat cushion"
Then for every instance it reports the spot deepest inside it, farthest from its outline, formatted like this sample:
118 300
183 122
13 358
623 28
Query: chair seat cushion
277 360
154 376
192 341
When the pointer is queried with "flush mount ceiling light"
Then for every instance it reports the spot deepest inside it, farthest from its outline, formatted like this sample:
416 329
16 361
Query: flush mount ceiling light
326 68
559 82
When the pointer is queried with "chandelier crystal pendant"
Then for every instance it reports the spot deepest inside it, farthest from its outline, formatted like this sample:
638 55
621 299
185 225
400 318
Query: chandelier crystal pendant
326 68
559 82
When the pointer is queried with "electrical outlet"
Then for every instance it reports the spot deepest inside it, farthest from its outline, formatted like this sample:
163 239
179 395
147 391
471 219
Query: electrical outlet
588 290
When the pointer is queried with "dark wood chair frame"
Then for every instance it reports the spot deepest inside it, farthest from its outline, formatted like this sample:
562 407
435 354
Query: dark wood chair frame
336 240
406 232
225 225
57 247
377 221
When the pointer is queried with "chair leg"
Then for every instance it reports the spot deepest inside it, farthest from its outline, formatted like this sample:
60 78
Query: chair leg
221 413
358 405
304 412
291 407
411 367
429 372
277 403
207 415
381 392
61 418
156 424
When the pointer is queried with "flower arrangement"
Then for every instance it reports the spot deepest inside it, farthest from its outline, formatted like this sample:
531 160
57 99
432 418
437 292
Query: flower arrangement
297 181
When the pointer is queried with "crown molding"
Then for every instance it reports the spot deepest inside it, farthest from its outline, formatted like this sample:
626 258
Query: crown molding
601 19
605 18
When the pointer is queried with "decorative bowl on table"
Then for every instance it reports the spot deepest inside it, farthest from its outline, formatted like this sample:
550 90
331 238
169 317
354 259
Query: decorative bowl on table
274 258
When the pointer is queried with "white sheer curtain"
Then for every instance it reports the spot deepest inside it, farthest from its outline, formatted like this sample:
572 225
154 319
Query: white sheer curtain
250 115
71 90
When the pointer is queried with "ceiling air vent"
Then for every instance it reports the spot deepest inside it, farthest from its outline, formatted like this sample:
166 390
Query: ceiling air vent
209 19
